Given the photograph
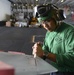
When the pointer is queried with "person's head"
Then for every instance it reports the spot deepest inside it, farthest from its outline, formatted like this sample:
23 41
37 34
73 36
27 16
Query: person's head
48 15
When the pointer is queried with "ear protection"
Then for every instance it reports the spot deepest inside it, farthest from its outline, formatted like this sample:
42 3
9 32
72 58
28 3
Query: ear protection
44 10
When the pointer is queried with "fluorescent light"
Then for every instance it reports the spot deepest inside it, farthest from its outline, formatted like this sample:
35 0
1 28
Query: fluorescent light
36 0
62 0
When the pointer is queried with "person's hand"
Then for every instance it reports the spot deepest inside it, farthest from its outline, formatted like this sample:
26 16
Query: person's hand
37 49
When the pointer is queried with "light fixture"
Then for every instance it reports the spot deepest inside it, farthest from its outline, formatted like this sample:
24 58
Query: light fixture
62 0
36 0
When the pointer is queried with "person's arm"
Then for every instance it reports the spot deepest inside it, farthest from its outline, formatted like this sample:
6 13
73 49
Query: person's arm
51 57
37 50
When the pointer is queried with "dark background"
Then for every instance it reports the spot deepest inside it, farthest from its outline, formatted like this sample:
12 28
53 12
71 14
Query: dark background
18 39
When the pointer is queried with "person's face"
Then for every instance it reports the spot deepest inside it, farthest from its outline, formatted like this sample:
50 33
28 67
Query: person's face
49 25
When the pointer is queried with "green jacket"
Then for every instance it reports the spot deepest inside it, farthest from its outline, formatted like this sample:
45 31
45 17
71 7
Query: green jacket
61 43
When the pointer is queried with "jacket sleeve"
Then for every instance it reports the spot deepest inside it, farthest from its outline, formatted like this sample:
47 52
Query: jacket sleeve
45 45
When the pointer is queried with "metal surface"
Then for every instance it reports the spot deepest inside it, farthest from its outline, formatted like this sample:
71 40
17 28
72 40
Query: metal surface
26 64
36 65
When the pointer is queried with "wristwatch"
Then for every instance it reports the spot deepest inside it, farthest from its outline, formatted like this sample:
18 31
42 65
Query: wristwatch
45 55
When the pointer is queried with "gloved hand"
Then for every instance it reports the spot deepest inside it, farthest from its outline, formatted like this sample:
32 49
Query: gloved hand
37 50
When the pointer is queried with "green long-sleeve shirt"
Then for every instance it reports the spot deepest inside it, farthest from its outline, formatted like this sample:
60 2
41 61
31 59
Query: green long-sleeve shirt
61 43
